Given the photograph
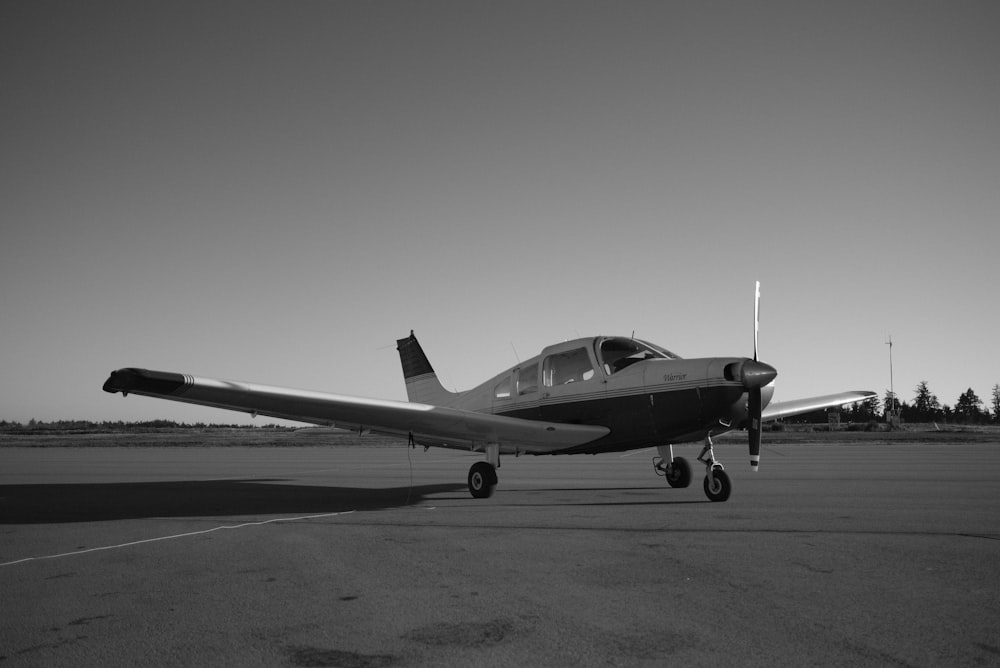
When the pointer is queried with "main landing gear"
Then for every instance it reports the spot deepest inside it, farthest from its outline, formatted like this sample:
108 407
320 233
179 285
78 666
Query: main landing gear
678 472
483 475
482 480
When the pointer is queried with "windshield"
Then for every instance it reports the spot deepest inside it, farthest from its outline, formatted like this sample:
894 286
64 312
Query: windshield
619 353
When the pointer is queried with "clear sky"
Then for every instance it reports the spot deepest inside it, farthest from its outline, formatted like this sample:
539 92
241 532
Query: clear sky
275 192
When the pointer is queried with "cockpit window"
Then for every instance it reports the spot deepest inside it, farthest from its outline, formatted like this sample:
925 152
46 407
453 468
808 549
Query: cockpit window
619 353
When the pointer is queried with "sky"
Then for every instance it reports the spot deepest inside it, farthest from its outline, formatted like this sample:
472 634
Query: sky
275 192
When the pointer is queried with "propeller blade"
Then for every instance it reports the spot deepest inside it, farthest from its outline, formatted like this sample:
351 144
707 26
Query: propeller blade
756 318
754 410
755 376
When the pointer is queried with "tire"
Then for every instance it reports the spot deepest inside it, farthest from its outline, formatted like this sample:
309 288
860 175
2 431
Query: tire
722 488
678 474
482 480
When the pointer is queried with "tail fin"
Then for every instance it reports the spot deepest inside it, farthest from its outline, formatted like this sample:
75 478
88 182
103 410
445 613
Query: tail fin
422 384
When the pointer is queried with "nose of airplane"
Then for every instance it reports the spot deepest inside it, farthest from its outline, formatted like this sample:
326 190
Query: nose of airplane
757 374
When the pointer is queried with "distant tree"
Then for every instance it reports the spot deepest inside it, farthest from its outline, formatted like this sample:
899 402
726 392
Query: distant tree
869 409
926 405
968 407
996 402
873 405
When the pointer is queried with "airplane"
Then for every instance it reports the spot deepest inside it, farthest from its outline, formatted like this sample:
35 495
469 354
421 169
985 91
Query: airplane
586 396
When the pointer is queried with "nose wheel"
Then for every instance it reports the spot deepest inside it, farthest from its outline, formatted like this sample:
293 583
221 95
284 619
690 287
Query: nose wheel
717 484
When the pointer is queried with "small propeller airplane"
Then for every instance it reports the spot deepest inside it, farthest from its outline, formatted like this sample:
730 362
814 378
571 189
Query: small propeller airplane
586 396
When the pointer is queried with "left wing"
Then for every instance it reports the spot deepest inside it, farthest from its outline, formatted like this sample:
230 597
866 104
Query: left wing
782 409
429 425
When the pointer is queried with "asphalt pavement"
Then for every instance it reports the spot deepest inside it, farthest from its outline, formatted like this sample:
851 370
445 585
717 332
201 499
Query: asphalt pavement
314 556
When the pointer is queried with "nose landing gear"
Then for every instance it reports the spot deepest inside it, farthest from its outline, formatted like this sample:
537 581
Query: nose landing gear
678 472
717 485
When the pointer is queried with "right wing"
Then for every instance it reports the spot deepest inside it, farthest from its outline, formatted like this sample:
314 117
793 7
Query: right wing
428 425
783 409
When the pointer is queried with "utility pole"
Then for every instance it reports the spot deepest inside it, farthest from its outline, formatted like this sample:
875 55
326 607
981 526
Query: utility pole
894 411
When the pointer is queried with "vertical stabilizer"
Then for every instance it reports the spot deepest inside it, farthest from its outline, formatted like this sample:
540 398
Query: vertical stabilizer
422 384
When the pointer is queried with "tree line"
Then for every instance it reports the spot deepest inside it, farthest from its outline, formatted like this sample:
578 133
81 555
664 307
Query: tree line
88 426
925 407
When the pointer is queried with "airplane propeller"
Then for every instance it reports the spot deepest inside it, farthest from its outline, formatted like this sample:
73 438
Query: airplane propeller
756 375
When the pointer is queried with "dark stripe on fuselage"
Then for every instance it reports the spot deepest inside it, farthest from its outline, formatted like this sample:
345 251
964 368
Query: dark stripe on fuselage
640 419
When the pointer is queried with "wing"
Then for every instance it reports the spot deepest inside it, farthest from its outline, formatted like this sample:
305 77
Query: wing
429 425
782 409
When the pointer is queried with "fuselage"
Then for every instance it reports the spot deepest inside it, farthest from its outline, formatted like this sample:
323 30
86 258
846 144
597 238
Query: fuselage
644 394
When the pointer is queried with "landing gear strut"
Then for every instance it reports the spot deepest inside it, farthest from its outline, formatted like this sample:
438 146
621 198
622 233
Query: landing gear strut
483 475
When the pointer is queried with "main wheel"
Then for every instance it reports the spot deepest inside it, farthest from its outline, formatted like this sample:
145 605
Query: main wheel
719 491
678 474
482 480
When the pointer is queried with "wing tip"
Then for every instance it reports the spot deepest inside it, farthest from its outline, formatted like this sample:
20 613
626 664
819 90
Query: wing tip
131 379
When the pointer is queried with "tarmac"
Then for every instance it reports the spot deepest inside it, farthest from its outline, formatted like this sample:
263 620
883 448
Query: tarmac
351 556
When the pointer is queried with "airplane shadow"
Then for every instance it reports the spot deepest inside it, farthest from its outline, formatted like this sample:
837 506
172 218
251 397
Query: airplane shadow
44 504
663 497
603 504
528 498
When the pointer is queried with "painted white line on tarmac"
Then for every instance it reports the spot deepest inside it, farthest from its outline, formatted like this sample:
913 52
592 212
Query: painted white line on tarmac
179 535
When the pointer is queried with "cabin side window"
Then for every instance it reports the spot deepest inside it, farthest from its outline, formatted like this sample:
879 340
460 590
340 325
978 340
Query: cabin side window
502 389
568 367
527 379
